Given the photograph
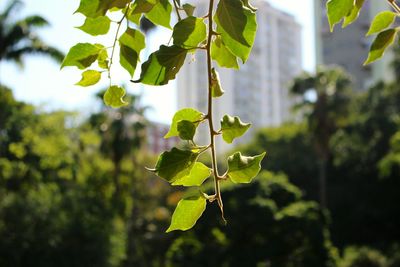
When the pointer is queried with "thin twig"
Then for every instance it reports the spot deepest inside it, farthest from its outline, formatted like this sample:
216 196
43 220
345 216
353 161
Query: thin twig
114 44
177 10
210 111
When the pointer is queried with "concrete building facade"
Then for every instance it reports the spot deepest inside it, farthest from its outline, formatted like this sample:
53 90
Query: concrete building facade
349 47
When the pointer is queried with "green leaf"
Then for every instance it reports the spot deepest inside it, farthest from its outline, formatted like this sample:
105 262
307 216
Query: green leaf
380 44
131 43
353 15
89 77
187 212
102 59
82 55
222 55
189 32
90 8
242 169
232 127
96 26
188 114
381 21
216 88
162 65
175 164
237 25
337 10
96 8
113 97
186 129
160 14
141 6
189 9
197 176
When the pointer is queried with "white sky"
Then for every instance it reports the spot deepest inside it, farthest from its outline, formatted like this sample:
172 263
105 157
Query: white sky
42 83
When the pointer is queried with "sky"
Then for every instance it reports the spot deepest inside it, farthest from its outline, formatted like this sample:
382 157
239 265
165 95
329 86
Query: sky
41 82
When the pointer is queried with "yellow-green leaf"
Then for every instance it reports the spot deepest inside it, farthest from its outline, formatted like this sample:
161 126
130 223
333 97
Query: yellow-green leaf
242 169
160 14
187 212
380 44
237 26
188 114
189 9
186 129
131 43
354 13
222 55
82 55
196 177
113 97
232 127
189 32
381 21
175 164
162 65
89 77
216 88
337 10
96 26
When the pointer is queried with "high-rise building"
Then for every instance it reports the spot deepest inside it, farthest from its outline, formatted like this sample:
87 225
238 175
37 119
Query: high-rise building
258 92
349 47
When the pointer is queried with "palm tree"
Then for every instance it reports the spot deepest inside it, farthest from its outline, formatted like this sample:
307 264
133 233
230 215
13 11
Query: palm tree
325 103
19 38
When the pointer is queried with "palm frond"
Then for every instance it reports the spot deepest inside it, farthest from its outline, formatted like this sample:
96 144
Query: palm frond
12 5
33 21
17 54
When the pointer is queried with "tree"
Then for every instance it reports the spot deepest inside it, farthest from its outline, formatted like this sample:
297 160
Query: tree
329 110
19 38
276 228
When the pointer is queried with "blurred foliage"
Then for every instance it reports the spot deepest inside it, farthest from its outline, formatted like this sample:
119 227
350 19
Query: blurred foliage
275 228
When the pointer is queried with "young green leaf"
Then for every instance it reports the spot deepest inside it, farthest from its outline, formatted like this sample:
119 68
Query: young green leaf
216 88
131 43
139 7
237 26
186 129
160 14
82 55
189 32
354 13
222 55
197 176
89 77
96 26
102 59
95 8
381 21
187 212
188 114
175 164
337 10
380 44
242 169
162 65
232 127
113 97
189 9
90 8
